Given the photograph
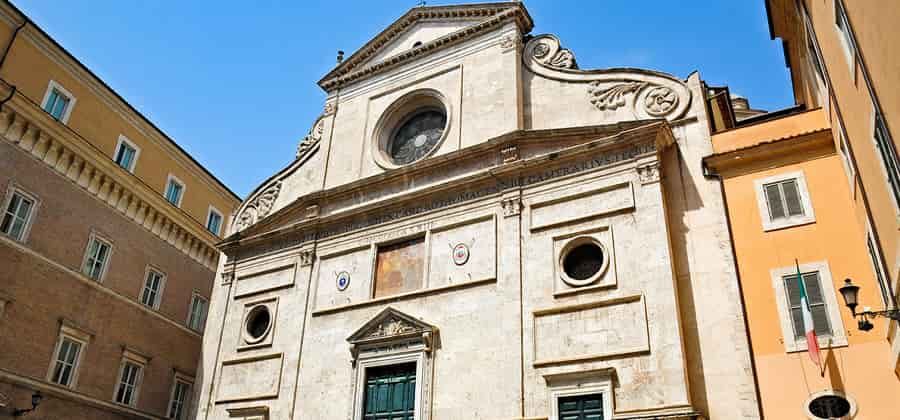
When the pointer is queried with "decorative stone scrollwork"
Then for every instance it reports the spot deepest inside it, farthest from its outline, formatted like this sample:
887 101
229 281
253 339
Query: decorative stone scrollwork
259 207
328 109
391 326
612 97
660 101
546 50
306 257
312 138
509 42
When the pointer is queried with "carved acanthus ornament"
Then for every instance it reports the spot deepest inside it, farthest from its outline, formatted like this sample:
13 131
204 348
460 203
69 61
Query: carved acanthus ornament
510 42
391 326
511 206
648 173
657 101
546 49
312 138
306 257
259 207
612 97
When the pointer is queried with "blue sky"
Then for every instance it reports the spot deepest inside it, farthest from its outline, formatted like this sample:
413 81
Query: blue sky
234 83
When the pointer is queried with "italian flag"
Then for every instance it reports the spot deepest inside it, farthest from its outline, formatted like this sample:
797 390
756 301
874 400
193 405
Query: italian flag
812 342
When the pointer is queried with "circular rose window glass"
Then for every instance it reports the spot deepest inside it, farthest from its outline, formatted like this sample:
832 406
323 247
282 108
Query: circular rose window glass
417 136
830 407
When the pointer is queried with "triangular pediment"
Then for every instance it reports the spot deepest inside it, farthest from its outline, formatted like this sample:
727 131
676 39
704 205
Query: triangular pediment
424 30
390 324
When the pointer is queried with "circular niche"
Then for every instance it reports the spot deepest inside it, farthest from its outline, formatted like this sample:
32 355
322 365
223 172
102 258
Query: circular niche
411 129
829 405
582 261
258 324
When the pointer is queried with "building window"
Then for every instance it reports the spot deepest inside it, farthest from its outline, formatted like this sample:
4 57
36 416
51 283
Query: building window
400 267
581 407
823 303
814 57
96 259
129 382
68 354
889 159
846 34
18 214
126 154
58 102
784 201
151 294
884 285
181 392
214 220
847 158
390 392
817 305
174 190
197 313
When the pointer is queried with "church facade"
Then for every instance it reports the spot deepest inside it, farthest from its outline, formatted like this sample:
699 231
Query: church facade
477 228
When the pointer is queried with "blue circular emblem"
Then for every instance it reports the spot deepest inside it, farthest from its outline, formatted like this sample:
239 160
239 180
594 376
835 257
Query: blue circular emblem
343 280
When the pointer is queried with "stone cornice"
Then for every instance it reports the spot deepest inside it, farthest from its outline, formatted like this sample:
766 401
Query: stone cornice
541 150
24 124
59 55
357 65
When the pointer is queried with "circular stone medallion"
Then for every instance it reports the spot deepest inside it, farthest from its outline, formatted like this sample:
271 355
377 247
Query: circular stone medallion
342 280
460 254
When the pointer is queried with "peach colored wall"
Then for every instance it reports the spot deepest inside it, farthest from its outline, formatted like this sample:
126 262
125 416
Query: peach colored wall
30 69
786 380
770 130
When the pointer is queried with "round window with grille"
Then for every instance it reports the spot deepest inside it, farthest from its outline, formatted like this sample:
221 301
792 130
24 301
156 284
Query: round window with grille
582 261
411 129
258 324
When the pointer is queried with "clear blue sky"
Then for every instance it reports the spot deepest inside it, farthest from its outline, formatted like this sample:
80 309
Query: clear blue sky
234 83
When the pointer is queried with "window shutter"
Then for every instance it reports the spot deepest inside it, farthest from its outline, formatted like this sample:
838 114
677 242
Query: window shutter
797 321
773 198
820 321
792 287
792 198
813 288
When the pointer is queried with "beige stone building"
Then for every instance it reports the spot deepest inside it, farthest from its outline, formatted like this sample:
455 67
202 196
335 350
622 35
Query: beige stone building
107 243
477 228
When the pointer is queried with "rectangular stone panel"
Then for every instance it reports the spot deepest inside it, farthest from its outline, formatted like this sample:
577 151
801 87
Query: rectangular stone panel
579 205
267 280
475 245
344 278
249 379
590 331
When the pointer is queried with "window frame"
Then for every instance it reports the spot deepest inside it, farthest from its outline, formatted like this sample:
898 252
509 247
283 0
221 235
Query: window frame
575 387
846 152
838 332
879 126
137 152
100 238
11 190
845 35
130 356
416 356
54 85
770 224
212 209
186 404
202 322
159 293
70 333
169 180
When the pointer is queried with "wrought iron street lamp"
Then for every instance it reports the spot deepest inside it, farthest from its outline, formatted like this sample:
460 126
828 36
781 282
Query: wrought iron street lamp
850 292
35 401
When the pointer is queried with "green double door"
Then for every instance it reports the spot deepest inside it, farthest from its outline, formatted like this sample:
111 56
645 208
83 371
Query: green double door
390 392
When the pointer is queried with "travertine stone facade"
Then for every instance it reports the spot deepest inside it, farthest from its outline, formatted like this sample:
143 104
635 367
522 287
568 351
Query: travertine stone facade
536 157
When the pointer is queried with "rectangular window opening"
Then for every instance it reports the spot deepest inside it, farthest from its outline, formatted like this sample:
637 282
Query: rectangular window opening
96 259
126 392
815 298
783 199
843 26
126 154
390 392
174 191
66 362
889 158
197 313
152 291
581 407
17 216
180 394
57 104
214 221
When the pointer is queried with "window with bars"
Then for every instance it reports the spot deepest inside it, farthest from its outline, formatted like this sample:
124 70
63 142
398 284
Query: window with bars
581 407
390 392
57 103
129 381
889 158
152 292
17 216
126 154
96 259
817 305
66 362
181 391
197 313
